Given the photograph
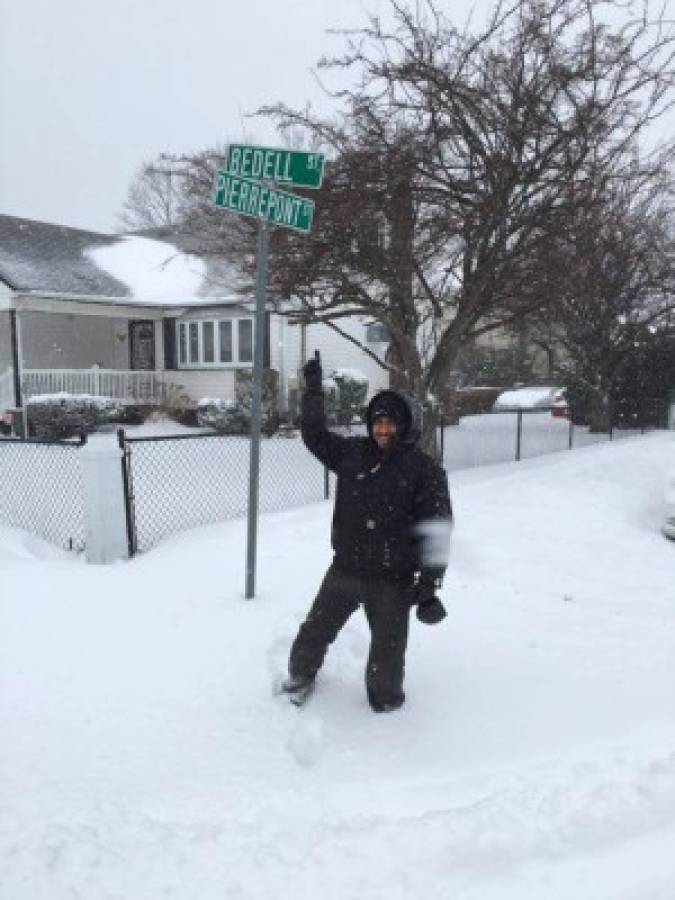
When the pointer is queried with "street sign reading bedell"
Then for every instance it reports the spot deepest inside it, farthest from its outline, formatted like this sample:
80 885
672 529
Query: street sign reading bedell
251 198
289 167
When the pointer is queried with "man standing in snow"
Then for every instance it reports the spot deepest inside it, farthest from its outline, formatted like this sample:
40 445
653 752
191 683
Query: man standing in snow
390 534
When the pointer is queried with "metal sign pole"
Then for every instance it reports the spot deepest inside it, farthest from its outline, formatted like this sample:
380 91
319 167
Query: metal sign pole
256 405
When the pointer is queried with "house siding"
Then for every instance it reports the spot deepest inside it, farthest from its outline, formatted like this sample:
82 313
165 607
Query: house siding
196 384
336 351
5 295
5 343
58 341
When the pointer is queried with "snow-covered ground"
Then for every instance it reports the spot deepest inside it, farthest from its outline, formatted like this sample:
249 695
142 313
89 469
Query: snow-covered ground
144 755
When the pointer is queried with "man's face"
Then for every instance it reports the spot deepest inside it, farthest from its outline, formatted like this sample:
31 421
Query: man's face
384 432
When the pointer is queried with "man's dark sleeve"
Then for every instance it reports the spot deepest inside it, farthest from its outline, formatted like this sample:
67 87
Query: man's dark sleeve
433 517
329 448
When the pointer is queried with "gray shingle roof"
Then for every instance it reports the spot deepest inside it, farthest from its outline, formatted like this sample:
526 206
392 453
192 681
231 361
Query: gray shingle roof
40 256
43 257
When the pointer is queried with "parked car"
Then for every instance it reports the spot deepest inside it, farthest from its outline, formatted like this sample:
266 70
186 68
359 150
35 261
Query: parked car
560 408
668 523
537 397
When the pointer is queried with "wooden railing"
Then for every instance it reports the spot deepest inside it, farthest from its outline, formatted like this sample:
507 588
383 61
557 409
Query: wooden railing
130 386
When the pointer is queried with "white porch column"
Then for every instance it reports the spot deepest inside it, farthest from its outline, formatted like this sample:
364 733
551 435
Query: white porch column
104 509
159 347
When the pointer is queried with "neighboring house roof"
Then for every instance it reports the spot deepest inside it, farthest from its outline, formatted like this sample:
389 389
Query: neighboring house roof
43 258
39 256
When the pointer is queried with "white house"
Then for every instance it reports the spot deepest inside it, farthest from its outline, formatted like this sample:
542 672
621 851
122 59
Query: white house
143 319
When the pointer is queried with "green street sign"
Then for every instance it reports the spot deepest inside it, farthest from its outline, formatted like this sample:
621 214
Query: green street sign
251 198
291 167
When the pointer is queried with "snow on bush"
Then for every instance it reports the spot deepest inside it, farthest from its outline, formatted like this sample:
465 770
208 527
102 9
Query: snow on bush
352 390
234 416
53 417
224 416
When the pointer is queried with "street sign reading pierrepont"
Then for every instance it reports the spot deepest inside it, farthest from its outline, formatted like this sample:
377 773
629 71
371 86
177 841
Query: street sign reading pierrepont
251 198
290 167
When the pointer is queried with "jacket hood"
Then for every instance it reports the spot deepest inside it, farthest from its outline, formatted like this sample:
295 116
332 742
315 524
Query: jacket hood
395 406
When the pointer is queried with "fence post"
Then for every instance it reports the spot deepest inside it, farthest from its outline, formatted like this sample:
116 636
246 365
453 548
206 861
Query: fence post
104 508
127 485
571 434
519 433
326 483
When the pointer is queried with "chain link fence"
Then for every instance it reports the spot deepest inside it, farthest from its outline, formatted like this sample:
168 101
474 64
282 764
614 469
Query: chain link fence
177 482
505 436
42 490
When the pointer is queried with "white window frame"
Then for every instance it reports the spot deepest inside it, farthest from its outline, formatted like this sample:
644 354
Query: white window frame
236 363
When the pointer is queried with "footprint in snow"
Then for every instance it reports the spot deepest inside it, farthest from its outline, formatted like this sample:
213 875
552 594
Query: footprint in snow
305 743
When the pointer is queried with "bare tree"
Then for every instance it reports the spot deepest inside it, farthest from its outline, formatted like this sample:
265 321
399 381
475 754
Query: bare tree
154 197
618 249
450 164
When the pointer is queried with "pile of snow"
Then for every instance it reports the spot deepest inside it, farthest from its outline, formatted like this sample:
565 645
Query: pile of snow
527 398
153 271
145 756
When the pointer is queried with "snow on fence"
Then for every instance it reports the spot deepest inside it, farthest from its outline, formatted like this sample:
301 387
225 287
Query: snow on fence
131 386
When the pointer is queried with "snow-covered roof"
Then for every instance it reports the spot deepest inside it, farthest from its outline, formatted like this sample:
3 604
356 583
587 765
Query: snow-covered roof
43 258
152 271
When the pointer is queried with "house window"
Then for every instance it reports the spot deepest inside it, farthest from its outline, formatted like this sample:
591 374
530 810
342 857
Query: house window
225 331
215 342
209 348
377 333
245 340
194 342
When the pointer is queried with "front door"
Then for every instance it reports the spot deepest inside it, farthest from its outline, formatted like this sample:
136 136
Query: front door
142 344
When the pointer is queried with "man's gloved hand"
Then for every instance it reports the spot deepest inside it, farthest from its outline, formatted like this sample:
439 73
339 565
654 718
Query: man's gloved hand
430 610
313 374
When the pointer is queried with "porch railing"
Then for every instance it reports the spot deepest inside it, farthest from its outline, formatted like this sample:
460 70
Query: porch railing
140 386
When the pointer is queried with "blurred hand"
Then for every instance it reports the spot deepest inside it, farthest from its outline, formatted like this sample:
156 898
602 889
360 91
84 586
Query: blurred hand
313 374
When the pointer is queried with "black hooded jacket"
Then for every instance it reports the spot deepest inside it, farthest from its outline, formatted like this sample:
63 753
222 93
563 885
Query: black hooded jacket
383 497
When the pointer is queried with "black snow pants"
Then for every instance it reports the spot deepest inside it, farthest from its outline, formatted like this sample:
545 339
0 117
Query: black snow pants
387 609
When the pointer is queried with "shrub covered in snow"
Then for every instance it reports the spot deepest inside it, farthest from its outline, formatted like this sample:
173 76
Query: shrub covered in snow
221 415
352 390
53 417
234 416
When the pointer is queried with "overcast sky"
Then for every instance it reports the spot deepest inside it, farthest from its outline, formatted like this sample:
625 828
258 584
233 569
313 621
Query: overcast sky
89 89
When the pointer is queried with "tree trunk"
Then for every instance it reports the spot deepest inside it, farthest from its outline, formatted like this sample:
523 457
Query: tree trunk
599 411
